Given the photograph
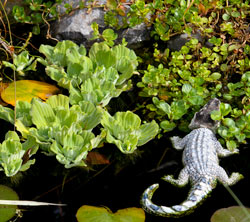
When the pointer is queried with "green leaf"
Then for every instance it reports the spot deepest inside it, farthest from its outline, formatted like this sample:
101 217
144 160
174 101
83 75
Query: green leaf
225 109
22 60
186 88
7 114
10 65
58 101
100 88
226 17
100 214
58 74
167 125
95 48
234 213
58 55
93 115
109 36
12 153
178 109
42 114
246 77
215 76
229 122
111 4
165 107
70 148
235 14
148 131
126 132
7 211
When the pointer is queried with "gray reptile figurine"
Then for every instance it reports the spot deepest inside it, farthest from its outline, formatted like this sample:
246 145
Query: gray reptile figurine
201 165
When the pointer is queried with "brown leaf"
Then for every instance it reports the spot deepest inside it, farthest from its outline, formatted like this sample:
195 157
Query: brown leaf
96 158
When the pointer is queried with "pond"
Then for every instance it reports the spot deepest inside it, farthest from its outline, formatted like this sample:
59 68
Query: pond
120 184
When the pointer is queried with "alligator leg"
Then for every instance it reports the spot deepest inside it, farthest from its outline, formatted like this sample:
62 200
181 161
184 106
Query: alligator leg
179 143
224 179
181 181
221 152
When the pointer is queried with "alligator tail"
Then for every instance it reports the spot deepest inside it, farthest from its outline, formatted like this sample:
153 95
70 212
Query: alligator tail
198 193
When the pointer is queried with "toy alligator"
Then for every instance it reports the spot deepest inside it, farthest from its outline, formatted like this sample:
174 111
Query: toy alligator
201 165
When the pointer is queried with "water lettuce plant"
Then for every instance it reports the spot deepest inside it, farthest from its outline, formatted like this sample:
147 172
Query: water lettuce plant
62 126
14 155
125 130
96 78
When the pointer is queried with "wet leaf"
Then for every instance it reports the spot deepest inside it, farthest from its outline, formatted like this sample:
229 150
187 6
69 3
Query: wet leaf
100 214
234 213
26 90
7 211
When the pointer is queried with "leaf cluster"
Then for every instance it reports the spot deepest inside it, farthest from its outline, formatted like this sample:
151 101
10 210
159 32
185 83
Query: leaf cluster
63 125
186 79
35 12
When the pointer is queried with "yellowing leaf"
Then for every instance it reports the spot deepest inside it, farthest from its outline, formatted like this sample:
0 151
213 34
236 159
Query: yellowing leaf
3 86
26 90
100 214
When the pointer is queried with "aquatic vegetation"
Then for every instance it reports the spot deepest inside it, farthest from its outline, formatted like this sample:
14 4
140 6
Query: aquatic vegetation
62 125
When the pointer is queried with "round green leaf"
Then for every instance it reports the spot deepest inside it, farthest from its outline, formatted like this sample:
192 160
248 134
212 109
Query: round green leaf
167 126
7 211
215 76
225 17
235 213
235 14
100 214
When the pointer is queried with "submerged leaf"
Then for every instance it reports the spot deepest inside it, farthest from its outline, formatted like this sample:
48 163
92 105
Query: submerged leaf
96 158
100 214
26 90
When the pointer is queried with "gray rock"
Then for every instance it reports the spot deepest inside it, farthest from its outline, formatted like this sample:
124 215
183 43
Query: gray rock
76 26
176 42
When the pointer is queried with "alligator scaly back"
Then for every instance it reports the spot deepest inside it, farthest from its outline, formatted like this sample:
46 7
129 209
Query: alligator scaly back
201 165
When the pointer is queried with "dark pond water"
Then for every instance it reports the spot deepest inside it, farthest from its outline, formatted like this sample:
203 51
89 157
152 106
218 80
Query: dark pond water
121 184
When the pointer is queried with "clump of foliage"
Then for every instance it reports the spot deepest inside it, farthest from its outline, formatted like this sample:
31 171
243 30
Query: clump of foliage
35 12
186 79
171 17
176 84
14 155
63 125
97 78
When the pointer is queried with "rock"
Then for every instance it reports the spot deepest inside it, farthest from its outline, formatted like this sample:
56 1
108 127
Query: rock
176 42
76 25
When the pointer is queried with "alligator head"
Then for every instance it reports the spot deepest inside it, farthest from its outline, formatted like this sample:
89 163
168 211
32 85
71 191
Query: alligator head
202 119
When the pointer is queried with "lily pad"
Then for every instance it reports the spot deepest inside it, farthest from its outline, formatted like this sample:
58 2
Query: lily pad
234 213
7 211
100 214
